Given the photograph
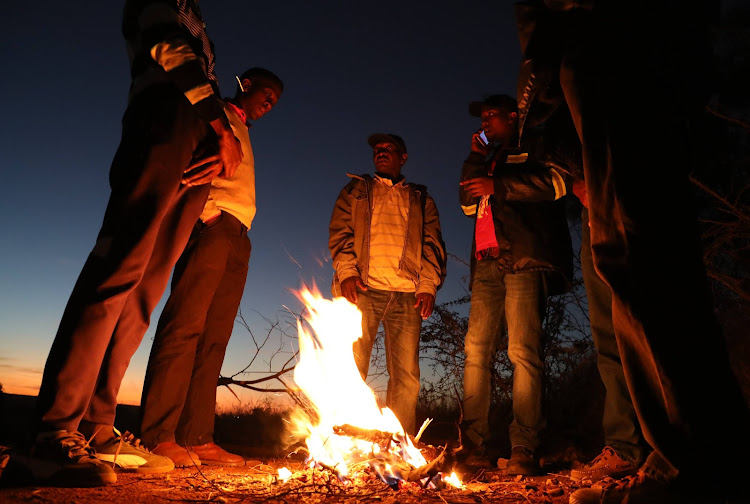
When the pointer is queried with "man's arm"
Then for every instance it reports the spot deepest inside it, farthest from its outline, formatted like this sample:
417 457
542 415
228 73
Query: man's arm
529 181
341 237
163 34
433 265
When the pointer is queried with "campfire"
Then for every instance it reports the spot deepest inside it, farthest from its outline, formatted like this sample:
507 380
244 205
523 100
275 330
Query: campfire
344 429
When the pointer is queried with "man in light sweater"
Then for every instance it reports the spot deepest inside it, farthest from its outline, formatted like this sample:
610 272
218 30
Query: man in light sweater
389 257
179 394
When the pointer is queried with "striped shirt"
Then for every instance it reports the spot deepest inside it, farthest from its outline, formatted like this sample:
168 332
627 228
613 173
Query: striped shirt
167 41
390 215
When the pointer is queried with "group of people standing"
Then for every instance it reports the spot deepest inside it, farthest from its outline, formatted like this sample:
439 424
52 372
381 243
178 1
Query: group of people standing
183 197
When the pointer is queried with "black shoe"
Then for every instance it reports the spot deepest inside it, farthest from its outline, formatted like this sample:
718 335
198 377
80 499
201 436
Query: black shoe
523 462
64 458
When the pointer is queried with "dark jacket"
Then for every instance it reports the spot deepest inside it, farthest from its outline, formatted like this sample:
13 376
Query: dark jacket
530 223
423 259
545 124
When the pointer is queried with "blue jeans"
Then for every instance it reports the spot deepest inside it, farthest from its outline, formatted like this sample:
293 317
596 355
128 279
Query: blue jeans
402 325
521 298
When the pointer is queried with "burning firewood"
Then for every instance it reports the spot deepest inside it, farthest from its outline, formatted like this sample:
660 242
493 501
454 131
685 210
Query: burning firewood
371 435
349 429
438 459
429 470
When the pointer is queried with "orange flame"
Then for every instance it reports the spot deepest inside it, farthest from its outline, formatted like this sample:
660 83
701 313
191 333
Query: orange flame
328 376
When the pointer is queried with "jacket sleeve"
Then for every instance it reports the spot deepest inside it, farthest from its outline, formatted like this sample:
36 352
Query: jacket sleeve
341 237
163 35
530 181
433 265
473 167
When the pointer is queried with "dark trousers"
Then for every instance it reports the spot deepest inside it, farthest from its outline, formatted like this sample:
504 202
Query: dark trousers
646 56
179 393
619 421
146 225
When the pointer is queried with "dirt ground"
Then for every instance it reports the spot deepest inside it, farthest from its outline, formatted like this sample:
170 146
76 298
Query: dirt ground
258 481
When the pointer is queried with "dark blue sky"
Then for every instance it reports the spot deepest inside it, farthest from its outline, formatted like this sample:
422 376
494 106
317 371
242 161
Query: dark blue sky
350 69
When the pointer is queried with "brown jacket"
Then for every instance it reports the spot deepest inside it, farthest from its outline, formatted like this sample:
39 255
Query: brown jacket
423 259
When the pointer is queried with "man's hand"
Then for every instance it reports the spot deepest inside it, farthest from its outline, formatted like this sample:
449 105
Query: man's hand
427 303
349 288
202 171
478 187
230 150
477 145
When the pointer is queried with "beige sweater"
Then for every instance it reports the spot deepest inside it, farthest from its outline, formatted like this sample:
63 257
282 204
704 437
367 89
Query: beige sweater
235 195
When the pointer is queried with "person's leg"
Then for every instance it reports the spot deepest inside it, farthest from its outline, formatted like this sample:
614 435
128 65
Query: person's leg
196 425
371 303
624 449
402 324
160 132
182 324
620 423
135 317
485 324
644 237
525 305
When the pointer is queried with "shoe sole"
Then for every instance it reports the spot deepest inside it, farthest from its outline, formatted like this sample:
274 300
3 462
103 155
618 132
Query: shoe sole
613 475
145 470
52 474
135 468
188 464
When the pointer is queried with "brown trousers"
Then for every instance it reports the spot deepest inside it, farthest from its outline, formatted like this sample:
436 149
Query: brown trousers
179 393
146 225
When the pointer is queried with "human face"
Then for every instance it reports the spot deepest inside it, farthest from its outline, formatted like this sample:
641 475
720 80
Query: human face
388 158
259 99
498 125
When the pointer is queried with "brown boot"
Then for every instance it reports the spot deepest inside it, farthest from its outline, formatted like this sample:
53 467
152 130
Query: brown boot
522 462
212 454
182 457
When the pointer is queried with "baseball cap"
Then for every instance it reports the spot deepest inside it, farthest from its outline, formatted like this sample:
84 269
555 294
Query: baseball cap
377 138
500 101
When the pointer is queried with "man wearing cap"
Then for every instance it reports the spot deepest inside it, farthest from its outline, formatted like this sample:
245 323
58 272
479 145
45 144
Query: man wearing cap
389 260
521 254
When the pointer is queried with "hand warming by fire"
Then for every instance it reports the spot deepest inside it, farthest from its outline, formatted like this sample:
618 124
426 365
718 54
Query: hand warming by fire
344 429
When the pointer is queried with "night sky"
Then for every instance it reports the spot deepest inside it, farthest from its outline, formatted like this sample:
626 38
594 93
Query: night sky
349 68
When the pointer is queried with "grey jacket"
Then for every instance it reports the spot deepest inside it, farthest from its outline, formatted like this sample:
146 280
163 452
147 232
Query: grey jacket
423 259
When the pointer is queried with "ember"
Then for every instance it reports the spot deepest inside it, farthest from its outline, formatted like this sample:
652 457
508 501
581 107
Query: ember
344 429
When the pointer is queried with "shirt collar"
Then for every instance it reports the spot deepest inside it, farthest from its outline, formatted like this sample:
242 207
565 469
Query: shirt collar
240 113
389 181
